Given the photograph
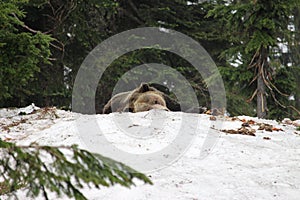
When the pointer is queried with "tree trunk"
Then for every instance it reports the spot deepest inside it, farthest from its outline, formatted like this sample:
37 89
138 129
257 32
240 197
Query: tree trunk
261 98
296 57
261 87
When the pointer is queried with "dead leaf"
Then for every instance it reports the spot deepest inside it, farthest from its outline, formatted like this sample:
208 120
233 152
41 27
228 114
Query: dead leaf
251 122
212 118
277 129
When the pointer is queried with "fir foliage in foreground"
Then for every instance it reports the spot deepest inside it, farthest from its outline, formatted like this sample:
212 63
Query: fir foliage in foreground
62 170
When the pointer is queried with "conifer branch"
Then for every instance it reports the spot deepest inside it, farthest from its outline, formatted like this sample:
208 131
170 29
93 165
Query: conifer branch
60 169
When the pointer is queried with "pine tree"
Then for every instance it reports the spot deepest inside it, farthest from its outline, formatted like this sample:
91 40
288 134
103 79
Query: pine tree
254 28
22 51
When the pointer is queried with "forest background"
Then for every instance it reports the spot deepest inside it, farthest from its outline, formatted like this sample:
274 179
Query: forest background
254 43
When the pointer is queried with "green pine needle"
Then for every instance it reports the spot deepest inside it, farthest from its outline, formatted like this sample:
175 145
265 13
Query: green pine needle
40 169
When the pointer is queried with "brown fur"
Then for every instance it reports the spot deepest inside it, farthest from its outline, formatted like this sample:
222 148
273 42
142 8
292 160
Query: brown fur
143 98
149 100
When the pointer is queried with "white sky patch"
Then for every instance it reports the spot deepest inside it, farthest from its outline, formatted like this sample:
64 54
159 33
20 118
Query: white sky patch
283 47
190 3
67 70
237 62
291 27
195 3
292 98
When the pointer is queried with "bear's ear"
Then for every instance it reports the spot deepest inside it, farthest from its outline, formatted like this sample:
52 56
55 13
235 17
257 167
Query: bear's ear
144 87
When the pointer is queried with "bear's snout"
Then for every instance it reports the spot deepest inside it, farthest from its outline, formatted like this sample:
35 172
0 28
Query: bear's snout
159 107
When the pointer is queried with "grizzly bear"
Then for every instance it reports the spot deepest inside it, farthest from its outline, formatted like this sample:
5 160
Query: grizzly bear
141 99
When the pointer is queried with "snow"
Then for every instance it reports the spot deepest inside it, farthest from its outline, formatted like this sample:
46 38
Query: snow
213 165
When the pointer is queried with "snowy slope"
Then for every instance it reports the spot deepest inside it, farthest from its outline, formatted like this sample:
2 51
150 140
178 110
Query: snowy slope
233 166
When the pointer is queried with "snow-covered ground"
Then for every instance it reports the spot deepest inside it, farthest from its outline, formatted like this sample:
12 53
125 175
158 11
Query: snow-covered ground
212 165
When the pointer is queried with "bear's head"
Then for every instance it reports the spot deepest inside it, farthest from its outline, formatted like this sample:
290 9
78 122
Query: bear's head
143 98
149 100
146 98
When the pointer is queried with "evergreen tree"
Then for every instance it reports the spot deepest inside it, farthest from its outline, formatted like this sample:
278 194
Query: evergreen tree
22 51
28 73
294 55
255 29
77 26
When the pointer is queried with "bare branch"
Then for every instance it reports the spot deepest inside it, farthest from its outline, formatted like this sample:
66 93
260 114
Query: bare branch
128 14
133 6
295 109
252 60
276 101
24 25
252 97
278 89
55 46
255 78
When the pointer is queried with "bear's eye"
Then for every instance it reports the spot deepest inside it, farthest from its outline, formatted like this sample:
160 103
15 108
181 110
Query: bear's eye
158 102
